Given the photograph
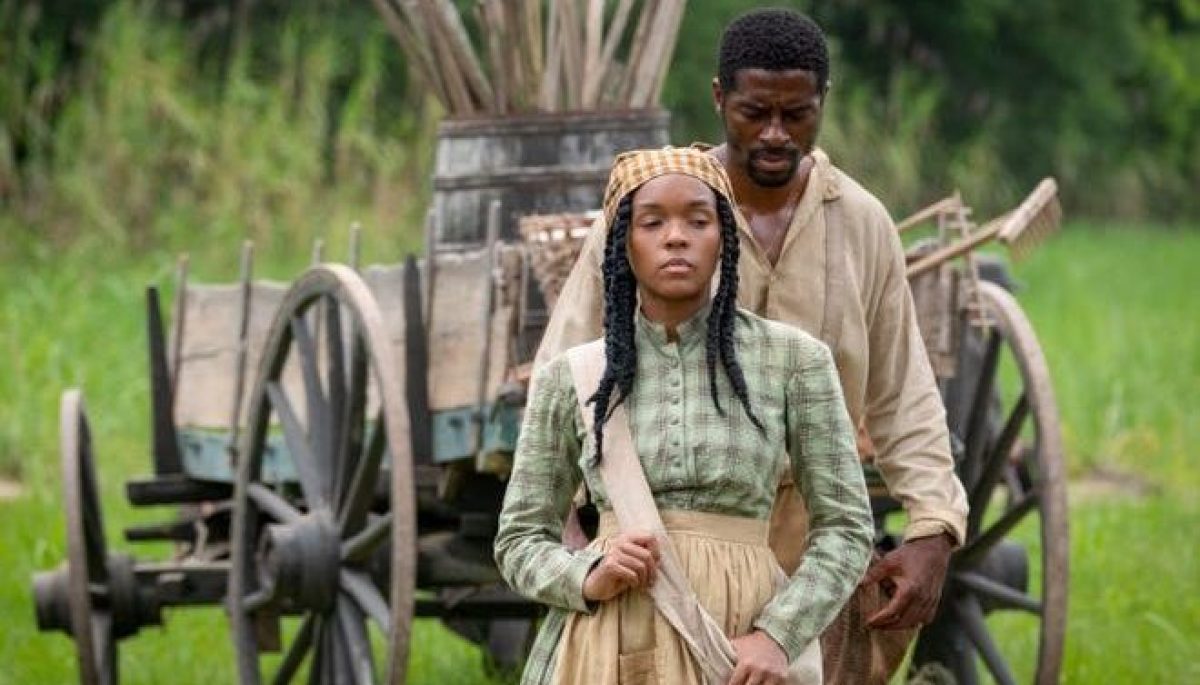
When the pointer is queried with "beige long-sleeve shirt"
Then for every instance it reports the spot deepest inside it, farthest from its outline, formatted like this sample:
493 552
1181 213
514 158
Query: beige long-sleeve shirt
840 276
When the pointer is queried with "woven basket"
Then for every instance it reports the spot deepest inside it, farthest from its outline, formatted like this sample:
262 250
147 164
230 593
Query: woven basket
553 242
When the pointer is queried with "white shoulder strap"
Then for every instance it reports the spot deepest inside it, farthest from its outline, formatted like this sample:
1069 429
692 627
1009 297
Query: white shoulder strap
632 502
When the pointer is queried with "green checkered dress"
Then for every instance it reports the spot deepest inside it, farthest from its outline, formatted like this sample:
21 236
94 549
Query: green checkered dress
696 459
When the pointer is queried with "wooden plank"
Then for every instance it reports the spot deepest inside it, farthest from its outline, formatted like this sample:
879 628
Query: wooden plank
456 345
208 353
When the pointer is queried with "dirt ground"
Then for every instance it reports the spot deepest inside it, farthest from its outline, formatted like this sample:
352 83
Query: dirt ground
1106 483
10 490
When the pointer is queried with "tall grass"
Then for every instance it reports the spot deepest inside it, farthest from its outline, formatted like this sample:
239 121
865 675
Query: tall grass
150 150
890 145
1116 311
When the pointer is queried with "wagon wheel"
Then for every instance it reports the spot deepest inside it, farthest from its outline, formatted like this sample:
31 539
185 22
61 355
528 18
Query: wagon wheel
87 577
308 548
1002 408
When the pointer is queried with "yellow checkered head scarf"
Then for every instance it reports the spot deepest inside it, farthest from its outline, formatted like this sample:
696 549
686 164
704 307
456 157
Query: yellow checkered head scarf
632 169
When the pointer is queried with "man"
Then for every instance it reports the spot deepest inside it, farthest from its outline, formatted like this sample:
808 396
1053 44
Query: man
821 253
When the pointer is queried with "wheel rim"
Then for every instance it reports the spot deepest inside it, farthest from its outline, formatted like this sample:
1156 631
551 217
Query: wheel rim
318 549
87 556
1005 414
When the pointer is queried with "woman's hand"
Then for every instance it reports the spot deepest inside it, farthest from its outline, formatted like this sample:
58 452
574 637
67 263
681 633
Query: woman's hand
629 563
760 660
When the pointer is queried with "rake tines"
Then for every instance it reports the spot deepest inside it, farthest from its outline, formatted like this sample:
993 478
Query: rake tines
1032 221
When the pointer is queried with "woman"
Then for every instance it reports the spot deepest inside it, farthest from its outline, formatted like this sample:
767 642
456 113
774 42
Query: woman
711 443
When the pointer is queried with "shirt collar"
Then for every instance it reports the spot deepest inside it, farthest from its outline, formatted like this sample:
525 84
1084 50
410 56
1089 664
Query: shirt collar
690 332
826 181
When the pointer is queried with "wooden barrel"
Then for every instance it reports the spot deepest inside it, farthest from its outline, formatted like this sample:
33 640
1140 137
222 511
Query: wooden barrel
536 164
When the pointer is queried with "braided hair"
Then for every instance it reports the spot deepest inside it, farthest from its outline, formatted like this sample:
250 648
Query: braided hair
620 308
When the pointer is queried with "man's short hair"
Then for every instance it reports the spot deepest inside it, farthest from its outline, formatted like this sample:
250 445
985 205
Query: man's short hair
773 39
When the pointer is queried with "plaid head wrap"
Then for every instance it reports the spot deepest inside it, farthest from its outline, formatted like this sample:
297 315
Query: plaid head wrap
632 169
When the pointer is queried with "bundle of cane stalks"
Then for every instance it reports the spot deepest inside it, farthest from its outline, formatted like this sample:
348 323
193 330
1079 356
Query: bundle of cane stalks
497 57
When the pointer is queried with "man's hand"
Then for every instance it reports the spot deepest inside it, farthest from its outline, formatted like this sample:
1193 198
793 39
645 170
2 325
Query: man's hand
912 575
630 562
760 660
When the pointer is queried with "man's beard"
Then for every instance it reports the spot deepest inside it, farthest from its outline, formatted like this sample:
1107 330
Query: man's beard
776 179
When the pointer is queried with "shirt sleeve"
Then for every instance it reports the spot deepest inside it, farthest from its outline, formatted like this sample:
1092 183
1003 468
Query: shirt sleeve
545 475
829 475
905 415
579 315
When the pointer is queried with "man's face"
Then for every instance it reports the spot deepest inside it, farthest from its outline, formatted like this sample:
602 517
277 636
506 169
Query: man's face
771 121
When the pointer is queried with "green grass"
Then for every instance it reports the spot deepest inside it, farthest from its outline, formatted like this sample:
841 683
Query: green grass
1114 310
1120 323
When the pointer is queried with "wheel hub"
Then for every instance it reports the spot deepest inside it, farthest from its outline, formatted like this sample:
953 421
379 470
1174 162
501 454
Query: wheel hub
300 561
131 605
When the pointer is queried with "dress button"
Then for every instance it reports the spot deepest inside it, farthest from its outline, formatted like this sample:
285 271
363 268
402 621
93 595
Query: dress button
674 399
674 420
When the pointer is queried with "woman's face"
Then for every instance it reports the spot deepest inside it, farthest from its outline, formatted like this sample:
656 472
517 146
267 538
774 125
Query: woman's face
674 240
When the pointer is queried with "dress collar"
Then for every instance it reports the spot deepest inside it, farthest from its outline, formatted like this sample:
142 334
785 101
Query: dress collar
691 331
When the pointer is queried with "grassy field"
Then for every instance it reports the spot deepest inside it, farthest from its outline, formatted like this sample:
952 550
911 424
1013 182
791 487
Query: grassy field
1115 310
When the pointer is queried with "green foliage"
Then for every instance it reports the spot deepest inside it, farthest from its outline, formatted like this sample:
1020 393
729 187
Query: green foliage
155 123
1001 94
140 154
1115 310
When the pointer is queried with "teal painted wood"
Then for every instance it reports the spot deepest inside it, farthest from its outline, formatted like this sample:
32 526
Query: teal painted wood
206 457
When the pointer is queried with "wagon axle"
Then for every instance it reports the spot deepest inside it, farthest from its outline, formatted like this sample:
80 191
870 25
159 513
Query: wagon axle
129 605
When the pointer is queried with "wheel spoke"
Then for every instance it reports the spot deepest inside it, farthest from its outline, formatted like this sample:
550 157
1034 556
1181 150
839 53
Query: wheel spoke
976 436
367 596
270 502
974 550
335 374
970 615
996 461
351 623
999 593
362 484
103 646
358 548
258 599
320 655
1012 482
296 652
335 642
318 411
335 382
93 522
298 447
349 447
